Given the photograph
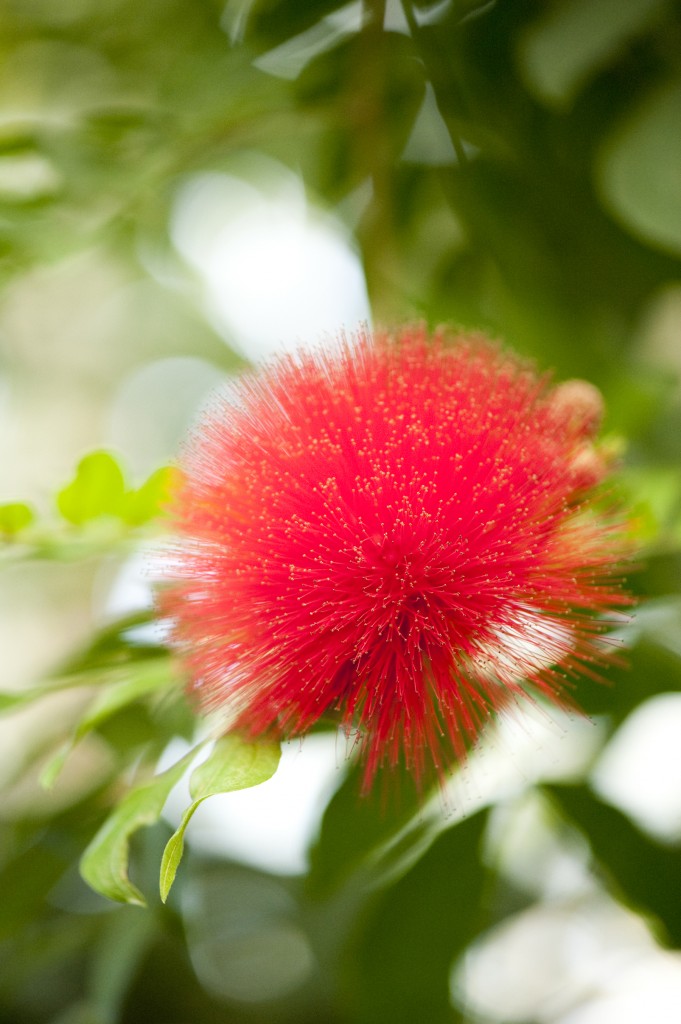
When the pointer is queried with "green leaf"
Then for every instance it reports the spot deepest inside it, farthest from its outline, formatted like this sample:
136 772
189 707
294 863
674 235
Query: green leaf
639 169
27 875
18 698
96 490
104 865
123 942
271 22
10 701
139 680
358 826
647 668
109 657
148 501
398 968
113 645
571 41
644 873
14 517
233 764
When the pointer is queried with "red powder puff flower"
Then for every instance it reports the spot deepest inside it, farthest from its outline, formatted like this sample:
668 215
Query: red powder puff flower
399 533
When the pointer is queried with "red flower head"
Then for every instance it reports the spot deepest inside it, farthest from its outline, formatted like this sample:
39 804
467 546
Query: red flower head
400 534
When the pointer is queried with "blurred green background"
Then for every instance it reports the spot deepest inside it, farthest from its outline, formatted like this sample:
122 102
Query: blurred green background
187 186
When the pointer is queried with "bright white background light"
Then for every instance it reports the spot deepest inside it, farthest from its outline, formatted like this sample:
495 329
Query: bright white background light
640 769
274 273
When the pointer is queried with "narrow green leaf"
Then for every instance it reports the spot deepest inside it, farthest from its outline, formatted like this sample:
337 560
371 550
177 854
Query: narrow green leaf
9 701
14 517
52 769
142 679
96 490
18 698
233 764
139 680
172 855
96 674
112 646
104 865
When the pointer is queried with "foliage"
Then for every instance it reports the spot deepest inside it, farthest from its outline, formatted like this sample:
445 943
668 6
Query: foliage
506 165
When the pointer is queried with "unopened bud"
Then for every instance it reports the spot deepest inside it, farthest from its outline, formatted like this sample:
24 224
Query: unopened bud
588 467
580 403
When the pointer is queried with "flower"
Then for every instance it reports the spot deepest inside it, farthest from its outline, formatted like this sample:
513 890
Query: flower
401 533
